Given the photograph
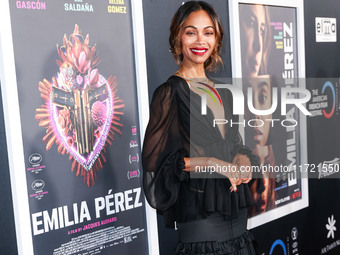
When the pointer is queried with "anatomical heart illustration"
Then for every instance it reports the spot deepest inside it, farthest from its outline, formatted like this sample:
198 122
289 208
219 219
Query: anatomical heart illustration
82 111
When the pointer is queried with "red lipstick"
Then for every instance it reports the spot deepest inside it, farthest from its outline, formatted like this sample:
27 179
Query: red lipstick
199 51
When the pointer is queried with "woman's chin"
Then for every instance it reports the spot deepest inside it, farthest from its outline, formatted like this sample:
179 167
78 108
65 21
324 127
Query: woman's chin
259 143
250 73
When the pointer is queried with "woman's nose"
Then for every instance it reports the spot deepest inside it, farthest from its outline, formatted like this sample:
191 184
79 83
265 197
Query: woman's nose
258 122
199 38
257 43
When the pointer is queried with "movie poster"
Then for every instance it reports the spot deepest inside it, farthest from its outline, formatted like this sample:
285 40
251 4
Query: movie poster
77 90
269 63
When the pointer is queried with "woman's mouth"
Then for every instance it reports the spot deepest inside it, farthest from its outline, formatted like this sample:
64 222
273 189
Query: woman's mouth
199 51
261 205
258 135
254 64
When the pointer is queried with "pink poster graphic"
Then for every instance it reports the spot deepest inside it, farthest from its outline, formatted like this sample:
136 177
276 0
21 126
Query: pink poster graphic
81 110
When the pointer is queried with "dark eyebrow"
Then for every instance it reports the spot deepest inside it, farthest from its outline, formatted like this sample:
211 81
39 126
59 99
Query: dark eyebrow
196 27
191 27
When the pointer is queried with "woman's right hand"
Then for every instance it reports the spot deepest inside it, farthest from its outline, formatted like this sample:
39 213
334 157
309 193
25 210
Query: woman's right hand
230 170
245 173
235 176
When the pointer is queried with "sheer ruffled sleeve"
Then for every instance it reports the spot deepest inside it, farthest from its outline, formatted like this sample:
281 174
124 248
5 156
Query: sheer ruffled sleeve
163 151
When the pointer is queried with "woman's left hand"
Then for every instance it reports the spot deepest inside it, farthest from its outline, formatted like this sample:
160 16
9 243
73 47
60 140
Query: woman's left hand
245 174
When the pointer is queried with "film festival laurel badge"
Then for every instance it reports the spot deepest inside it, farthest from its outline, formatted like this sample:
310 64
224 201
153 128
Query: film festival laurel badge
82 112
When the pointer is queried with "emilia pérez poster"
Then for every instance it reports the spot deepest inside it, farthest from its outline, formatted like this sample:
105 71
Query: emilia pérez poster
269 61
75 71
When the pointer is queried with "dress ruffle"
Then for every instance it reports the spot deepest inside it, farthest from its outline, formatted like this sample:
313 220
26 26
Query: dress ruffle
230 203
178 164
238 246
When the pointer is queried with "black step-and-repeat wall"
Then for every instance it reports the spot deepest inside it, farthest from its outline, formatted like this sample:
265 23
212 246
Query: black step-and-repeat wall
312 230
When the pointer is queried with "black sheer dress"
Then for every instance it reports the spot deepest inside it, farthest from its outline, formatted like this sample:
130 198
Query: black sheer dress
210 218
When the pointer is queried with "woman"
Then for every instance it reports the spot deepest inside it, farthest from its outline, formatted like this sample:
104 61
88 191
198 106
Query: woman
210 209
255 39
255 45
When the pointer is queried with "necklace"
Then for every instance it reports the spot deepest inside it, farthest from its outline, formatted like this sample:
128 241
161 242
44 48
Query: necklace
198 80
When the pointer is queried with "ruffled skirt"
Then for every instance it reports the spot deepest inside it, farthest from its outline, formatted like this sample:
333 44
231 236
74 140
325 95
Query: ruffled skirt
215 236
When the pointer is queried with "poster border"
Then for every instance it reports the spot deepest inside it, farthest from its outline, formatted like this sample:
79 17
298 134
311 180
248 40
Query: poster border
143 108
13 126
235 46
12 129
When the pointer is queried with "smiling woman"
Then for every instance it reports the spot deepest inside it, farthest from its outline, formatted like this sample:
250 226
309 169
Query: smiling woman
202 32
198 39
209 213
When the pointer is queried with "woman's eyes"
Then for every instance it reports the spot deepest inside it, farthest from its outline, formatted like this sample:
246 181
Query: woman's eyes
208 33
253 23
262 30
263 97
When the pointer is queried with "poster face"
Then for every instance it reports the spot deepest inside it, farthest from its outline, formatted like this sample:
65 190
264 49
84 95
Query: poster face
76 81
269 62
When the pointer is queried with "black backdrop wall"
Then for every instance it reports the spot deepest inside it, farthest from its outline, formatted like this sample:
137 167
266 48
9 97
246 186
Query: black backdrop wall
303 232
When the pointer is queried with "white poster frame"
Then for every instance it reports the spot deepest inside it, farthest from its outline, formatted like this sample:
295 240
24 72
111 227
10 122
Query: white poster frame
237 73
